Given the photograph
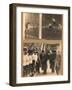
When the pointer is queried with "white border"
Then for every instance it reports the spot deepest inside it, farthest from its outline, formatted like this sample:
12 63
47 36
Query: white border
20 79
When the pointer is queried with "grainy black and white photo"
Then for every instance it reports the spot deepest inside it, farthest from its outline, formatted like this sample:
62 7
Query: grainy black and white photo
42 46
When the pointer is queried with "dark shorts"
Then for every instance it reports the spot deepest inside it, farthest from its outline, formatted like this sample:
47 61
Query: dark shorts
26 68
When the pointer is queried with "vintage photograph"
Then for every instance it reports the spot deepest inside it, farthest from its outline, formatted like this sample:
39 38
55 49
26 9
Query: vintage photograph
42 44
39 44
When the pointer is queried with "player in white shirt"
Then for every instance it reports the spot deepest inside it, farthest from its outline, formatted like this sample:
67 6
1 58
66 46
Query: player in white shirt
35 57
25 63
25 59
